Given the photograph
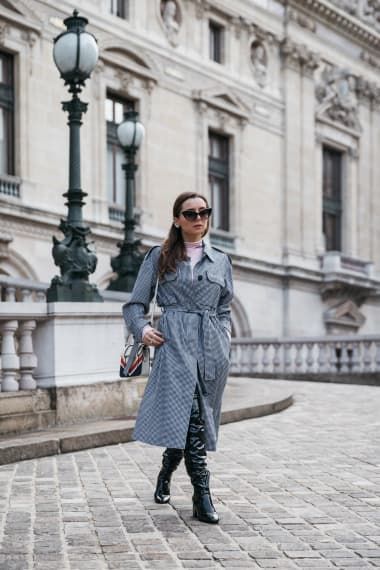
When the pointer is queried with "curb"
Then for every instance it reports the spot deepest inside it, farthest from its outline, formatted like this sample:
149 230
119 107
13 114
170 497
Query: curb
22 448
241 414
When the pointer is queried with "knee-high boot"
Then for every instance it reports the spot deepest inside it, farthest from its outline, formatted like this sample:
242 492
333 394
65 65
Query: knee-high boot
196 466
171 458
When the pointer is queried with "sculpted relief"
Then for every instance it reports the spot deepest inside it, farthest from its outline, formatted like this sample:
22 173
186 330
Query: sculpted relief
336 95
171 19
259 62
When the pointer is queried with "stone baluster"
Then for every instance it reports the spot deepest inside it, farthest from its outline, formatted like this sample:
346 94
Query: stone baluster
245 358
377 357
333 359
310 357
265 360
344 360
298 359
322 357
288 357
9 358
40 296
355 359
26 295
276 357
234 359
367 357
28 359
255 360
10 294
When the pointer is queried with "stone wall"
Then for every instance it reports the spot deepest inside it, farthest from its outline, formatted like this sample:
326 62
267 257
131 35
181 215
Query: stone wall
294 78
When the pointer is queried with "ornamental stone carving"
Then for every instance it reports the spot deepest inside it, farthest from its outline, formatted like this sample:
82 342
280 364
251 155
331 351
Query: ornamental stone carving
299 56
336 95
259 62
301 19
171 19
368 11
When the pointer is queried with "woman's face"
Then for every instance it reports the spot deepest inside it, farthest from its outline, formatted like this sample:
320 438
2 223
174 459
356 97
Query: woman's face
192 230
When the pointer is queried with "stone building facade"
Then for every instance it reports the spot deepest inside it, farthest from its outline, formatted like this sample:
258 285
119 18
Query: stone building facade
270 108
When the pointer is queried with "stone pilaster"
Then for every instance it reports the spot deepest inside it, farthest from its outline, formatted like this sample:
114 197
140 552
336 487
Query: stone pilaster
299 64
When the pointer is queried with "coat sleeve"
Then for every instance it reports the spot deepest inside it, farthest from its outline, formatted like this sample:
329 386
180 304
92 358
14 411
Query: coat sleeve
224 309
135 310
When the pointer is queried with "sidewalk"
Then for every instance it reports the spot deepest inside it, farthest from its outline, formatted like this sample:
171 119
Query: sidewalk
244 398
298 490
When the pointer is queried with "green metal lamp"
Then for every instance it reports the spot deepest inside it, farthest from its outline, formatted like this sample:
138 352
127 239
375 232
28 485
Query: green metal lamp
75 54
127 263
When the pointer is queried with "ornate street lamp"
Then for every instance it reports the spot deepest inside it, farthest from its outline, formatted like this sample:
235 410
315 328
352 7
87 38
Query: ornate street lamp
75 55
130 134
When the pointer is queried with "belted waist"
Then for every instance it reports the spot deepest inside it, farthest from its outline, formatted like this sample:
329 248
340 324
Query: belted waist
208 367
201 312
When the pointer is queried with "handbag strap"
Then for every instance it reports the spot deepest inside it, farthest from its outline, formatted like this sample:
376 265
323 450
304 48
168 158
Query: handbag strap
154 303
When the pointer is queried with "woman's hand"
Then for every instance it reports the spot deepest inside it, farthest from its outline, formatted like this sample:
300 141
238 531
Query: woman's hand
153 337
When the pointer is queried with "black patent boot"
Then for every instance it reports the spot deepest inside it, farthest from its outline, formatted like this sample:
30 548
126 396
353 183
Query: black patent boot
196 463
203 508
171 458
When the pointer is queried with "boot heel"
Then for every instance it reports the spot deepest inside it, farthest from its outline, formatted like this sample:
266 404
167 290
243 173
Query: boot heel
195 512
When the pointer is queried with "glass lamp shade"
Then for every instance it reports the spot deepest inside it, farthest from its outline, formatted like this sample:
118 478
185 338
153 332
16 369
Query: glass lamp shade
130 132
75 52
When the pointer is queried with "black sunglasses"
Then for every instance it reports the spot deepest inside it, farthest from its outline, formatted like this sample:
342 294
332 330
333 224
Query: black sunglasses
191 215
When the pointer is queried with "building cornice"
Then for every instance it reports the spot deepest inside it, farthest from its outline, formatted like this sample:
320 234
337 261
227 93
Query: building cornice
341 20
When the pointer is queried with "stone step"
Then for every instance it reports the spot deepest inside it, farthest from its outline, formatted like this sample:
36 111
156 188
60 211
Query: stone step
26 410
26 401
27 421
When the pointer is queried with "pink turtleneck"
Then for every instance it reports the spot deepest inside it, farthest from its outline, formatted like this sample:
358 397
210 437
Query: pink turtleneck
194 250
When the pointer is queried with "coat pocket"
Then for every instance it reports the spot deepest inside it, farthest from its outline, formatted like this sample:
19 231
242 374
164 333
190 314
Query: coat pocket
167 288
215 278
210 289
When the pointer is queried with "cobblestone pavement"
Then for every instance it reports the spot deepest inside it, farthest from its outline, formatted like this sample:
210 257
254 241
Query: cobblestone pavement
299 489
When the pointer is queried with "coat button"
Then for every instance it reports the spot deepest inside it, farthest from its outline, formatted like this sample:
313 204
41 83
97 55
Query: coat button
200 277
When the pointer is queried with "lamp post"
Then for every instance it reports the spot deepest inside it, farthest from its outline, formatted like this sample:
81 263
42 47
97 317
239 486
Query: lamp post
75 55
130 134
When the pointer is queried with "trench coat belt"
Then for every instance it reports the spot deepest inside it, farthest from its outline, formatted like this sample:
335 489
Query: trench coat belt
205 314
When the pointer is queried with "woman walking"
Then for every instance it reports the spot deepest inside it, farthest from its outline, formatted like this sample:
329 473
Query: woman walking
181 406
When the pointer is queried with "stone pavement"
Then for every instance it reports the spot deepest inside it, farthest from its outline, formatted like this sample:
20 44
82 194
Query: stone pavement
295 490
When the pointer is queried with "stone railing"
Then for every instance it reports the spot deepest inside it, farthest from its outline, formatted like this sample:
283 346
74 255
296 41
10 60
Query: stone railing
44 345
309 356
18 360
14 289
10 185
21 290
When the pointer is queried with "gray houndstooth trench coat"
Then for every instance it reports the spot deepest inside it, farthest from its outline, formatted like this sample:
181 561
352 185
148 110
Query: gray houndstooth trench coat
196 326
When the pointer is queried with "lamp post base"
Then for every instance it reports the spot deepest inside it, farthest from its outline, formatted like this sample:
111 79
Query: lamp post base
75 291
126 265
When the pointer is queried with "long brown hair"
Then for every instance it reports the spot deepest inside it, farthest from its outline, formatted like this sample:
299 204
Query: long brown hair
173 249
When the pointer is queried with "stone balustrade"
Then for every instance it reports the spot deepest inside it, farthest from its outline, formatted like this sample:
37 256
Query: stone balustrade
13 289
18 359
44 345
329 355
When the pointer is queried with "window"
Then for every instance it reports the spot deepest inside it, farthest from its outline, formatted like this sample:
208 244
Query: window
119 8
114 111
6 114
218 166
216 37
332 198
